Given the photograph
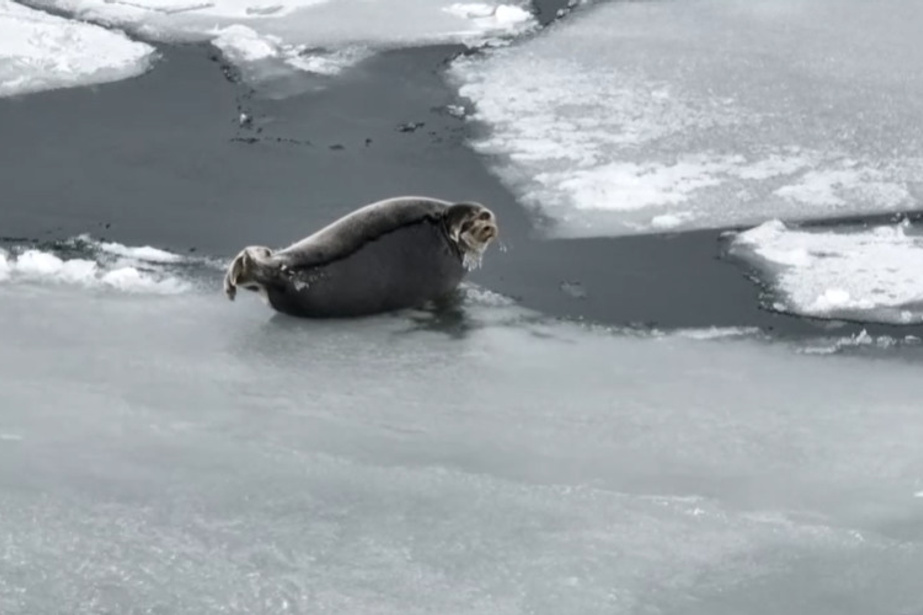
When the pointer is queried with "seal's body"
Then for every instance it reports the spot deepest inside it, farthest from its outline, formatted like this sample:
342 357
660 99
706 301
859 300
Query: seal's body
389 255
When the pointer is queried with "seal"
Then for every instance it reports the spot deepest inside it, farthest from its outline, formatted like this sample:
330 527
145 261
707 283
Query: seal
388 255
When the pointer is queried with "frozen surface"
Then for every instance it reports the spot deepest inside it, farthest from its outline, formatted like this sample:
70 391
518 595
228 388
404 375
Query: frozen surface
184 454
871 274
39 52
91 264
269 38
632 117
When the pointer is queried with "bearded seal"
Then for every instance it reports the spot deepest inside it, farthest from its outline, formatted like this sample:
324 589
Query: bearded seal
389 255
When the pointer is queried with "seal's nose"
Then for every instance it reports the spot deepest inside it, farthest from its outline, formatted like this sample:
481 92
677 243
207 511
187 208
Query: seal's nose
487 232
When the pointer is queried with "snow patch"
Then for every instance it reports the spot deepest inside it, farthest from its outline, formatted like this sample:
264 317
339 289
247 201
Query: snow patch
866 274
263 55
861 340
103 265
629 186
241 44
716 333
41 52
669 221
143 253
491 17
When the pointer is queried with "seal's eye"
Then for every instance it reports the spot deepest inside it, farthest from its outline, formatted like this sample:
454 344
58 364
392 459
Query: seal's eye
484 215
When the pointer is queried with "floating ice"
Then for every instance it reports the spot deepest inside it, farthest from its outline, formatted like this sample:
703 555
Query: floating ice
264 37
99 265
707 113
142 253
861 340
866 274
716 333
39 52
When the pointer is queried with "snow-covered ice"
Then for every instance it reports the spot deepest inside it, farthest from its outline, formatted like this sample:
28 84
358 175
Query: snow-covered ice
86 263
870 274
188 455
39 51
266 38
632 117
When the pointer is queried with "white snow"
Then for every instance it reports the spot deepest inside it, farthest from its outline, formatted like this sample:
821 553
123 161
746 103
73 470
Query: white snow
714 333
106 266
265 38
40 52
627 113
242 44
872 274
490 16
627 186
861 340
142 253
670 221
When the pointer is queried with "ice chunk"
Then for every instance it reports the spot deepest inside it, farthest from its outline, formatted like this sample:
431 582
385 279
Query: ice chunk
715 333
866 274
730 112
99 265
142 253
39 52
861 340
242 44
264 37
490 17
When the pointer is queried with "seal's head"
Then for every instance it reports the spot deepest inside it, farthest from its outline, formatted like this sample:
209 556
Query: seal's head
249 270
472 227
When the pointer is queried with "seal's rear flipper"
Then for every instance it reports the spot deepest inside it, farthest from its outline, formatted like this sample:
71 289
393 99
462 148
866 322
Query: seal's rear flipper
240 271
234 272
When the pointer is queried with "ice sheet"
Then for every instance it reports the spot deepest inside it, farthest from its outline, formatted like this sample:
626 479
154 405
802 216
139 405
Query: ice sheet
266 38
192 455
871 274
84 262
631 117
40 52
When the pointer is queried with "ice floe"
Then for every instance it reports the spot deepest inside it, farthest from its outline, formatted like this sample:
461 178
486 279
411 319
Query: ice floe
633 117
859 341
266 37
39 51
868 274
99 265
